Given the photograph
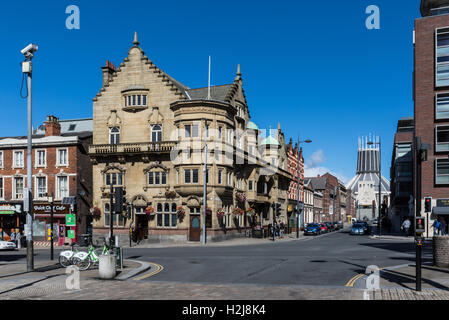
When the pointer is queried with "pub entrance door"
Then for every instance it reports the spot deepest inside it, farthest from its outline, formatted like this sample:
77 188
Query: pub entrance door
195 228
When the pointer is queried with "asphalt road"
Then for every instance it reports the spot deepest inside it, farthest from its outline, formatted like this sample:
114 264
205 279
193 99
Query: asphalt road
328 260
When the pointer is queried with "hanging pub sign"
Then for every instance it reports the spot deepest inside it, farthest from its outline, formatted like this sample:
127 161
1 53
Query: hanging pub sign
10 209
46 208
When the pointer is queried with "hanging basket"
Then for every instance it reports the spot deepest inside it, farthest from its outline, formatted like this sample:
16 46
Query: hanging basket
237 212
241 197
181 212
250 212
96 212
220 213
149 210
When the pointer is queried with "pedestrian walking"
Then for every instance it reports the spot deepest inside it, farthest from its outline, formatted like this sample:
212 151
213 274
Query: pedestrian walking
436 227
14 236
406 226
19 239
443 227
282 226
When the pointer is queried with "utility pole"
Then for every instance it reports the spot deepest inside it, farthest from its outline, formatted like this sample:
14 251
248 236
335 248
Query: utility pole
297 195
380 189
111 217
205 182
28 52
51 226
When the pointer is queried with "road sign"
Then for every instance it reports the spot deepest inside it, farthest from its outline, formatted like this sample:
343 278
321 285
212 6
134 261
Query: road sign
70 220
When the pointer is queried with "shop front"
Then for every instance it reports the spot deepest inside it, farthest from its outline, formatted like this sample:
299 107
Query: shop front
12 217
64 223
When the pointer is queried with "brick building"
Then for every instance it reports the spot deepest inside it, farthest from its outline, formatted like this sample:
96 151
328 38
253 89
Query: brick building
60 166
330 188
431 96
292 167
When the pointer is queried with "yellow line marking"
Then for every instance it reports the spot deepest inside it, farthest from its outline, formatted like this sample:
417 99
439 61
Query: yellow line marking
352 281
159 269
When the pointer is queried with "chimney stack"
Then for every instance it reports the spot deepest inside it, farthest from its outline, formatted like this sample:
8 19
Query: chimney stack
108 72
52 126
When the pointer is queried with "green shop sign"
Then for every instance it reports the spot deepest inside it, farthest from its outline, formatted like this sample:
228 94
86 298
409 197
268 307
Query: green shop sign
10 208
70 220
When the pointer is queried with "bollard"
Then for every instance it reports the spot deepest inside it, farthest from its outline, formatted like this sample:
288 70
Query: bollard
107 266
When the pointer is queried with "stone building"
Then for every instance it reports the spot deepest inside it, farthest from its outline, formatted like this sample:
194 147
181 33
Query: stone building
149 132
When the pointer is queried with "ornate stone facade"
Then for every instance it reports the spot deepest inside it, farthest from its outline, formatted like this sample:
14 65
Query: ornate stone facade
149 133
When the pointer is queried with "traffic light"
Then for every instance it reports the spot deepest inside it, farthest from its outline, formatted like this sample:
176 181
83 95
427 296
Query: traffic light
278 209
120 200
427 204
420 225
128 211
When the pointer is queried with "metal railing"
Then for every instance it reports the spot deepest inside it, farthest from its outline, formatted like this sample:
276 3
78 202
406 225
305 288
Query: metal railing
165 146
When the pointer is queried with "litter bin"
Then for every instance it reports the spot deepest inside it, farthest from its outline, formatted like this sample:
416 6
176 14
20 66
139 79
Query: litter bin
107 267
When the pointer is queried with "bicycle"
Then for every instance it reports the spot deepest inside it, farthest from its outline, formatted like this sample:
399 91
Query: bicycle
66 257
84 260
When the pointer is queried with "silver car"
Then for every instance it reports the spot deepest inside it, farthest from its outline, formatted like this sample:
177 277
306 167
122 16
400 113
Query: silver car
7 245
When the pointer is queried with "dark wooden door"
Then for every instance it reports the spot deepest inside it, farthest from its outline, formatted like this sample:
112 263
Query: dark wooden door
195 228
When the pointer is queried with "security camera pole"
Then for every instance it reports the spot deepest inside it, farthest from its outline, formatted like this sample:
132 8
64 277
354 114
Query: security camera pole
28 198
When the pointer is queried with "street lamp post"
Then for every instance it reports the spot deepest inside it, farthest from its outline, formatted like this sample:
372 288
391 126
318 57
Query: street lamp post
205 182
379 221
28 52
298 223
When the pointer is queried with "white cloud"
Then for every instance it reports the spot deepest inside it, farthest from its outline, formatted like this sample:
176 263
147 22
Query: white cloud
316 159
313 168
313 172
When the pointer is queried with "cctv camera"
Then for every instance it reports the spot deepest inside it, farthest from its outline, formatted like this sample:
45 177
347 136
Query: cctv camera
29 50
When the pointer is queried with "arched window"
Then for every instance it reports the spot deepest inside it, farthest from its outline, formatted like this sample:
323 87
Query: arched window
114 135
156 133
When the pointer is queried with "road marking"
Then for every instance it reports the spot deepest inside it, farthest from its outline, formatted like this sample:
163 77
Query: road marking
159 269
353 280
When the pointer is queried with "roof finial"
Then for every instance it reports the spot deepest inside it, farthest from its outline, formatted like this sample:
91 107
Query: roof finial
135 42
239 74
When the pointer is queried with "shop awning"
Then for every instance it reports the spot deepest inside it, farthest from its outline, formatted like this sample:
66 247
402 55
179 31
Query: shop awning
440 210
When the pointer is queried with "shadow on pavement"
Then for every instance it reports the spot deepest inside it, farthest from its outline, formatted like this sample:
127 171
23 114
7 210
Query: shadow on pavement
41 269
28 284
403 279
11 257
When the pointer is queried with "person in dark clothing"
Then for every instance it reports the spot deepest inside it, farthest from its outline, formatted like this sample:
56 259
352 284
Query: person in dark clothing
443 227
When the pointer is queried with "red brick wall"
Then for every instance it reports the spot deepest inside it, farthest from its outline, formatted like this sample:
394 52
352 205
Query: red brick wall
425 99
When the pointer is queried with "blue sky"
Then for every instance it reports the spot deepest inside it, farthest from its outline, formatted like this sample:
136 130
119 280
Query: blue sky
312 66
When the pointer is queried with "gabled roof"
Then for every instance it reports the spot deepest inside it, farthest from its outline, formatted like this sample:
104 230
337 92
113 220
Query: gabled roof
318 183
72 126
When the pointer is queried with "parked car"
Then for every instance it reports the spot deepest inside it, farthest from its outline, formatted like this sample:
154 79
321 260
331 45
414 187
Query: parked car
330 226
340 225
312 229
323 228
7 245
358 229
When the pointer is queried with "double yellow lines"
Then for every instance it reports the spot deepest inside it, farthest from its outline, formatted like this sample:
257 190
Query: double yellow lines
159 268
353 280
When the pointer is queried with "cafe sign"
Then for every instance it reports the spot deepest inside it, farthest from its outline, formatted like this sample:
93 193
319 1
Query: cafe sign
10 208
46 208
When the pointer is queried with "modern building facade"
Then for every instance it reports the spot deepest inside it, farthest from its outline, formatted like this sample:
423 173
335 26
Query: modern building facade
61 167
431 111
149 133
401 175
365 185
